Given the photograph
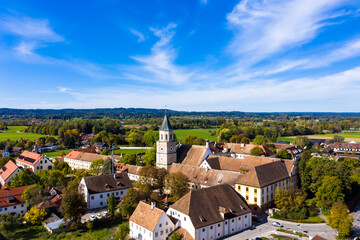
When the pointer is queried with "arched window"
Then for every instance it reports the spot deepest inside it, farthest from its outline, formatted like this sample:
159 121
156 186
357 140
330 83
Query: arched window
165 136
161 137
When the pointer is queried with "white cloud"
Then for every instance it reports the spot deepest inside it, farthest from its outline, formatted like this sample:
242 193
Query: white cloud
140 36
30 28
25 48
265 27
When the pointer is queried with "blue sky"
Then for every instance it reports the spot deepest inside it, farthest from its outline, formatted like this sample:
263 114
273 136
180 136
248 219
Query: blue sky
203 55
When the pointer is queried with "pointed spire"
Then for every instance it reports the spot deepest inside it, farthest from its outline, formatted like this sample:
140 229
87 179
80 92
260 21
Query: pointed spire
166 126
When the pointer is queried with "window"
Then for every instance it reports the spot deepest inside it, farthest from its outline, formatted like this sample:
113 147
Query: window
247 189
22 212
203 229
6 209
247 198
117 193
166 223
121 192
245 216
167 230
160 225
225 222
37 168
22 205
101 196
239 218
14 207
92 197
255 199
232 220
45 161
108 195
239 187
161 232
165 136
211 227
161 137
101 203
156 234
184 218
218 234
255 190
219 225
170 229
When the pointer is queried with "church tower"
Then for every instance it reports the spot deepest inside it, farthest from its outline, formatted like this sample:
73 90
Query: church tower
166 146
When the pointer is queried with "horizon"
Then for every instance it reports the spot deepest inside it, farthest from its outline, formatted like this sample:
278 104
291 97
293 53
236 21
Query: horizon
296 56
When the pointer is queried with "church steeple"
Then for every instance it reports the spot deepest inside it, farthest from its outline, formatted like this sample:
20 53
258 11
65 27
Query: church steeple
166 146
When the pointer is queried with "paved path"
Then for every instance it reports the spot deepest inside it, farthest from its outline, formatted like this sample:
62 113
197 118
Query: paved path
265 228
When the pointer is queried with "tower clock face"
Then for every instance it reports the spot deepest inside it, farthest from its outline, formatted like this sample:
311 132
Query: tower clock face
171 149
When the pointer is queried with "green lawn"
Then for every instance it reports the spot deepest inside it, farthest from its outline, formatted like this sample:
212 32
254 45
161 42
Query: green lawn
181 134
131 151
56 153
14 133
286 139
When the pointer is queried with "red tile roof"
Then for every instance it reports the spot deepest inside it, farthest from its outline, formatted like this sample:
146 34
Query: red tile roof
6 195
9 168
29 158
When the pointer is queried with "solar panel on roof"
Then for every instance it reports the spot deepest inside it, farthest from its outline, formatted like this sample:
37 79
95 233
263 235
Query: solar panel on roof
3 168
31 160
21 156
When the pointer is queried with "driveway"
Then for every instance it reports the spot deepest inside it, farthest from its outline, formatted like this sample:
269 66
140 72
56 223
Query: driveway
94 212
265 228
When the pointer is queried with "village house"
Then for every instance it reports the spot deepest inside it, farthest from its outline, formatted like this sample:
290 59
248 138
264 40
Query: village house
34 161
97 188
150 223
346 147
211 213
78 159
11 201
5 152
294 151
53 199
239 150
8 171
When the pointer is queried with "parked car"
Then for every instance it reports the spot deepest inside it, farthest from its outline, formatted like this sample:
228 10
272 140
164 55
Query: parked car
98 216
92 218
276 224
105 214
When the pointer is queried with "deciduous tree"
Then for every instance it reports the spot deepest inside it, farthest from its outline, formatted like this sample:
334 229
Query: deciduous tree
177 183
257 151
35 215
340 219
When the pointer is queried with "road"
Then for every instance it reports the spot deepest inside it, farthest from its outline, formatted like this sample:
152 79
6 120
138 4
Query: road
265 228
356 223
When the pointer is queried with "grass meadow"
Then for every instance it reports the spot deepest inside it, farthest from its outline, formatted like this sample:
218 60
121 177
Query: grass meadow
15 133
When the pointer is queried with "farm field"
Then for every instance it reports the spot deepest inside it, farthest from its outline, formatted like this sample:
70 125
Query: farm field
14 133
131 151
349 136
56 153
181 134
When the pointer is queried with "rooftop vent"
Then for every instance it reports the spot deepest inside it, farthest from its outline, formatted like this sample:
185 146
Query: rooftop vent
202 219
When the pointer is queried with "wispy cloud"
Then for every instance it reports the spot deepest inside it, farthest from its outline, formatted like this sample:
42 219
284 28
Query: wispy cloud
140 36
267 27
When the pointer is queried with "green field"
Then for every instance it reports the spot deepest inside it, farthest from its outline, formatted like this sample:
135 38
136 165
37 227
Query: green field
14 133
181 134
352 134
57 153
131 151
285 139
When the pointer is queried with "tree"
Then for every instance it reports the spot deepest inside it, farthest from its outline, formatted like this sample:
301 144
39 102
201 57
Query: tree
338 138
105 151
89 225
50 178
194 140
35 215
260 140
257 151
23 178
107 167
303 142
283 153
289 201
329 192
129 159
111 202
73 204
130 201
150 138
177 183
235 139
122 231
135 137
32 195
62 166
96 166
340 219
175 236
150 157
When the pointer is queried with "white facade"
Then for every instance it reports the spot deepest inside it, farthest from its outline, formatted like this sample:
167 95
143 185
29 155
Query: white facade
77 164
5 181
98 200
213 231
43 163
163 228
14 209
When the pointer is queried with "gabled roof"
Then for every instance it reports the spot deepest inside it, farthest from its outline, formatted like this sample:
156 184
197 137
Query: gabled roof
29 158
9 197
204 206
146 217
85 156
191 154
8 169
108 182
201 176
166 126
264 175
236 164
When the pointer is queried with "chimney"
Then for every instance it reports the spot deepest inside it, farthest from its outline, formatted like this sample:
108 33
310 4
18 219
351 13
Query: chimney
242 145
207 143
153 205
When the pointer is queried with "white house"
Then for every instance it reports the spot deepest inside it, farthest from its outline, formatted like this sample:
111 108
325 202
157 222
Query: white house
78 159
11 201
34 161
6 152
212 213
97 188
150 223
8 171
